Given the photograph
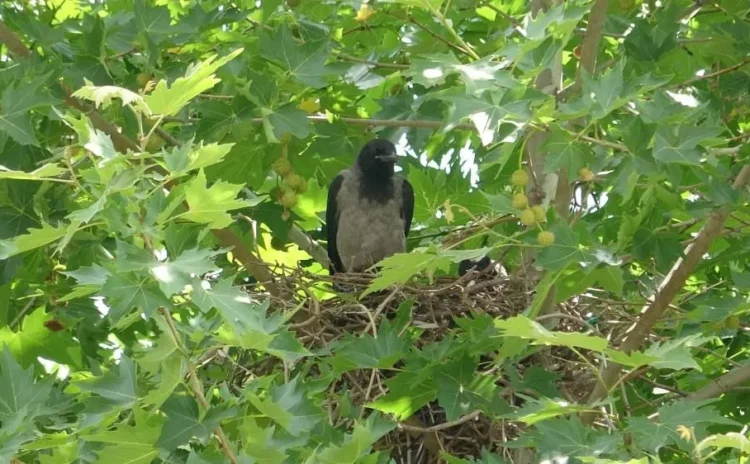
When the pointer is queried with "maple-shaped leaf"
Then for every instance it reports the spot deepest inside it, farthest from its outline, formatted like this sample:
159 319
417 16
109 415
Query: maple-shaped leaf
461 390
563 151
169 100
368 352
567 249
289 407
568 437
237 307
33 238
210 205
725 440
49 171
538 410
401 267
523 327
130 444
17 101
21 398
478 76
185 422
102 96
36 340
285 120
125 291
561 18
174 275
188 156
408 391
681 146
672 354
100 144
355 446
305 62
119 386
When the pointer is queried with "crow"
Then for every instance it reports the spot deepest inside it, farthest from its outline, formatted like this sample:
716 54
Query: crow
369 211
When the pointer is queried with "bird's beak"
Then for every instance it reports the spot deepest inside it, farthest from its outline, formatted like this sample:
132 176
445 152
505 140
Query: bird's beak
388 158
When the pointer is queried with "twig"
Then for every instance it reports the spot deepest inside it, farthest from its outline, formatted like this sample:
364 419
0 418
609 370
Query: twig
443 426
715 74
198 390
419 124
381 307
23 312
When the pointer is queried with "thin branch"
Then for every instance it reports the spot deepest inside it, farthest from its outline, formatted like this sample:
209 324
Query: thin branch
419 124
354 59
667 291
718 73
198 389
443 426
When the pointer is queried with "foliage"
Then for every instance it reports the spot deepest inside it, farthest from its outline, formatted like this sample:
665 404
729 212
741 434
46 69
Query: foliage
133 330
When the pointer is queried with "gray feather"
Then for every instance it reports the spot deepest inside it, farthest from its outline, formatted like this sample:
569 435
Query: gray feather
368 231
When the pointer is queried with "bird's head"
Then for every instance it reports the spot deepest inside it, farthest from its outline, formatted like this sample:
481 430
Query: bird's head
378 157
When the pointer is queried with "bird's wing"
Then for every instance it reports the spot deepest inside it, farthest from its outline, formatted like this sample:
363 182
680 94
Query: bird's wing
332 224
407 206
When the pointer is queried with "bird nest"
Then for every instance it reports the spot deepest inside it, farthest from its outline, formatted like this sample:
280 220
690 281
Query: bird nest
435 306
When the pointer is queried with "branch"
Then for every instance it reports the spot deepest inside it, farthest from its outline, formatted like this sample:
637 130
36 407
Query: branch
715 74
198 390
419 124
308 245
723 384
443 426
228 238
667 291
590 46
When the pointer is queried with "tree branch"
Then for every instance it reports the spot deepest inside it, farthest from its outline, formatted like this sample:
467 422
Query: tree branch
590 45
667 291
715 74
723 384
439 427
419 124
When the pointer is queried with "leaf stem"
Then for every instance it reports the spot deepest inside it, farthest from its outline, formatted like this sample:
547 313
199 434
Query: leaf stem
444 21
197 389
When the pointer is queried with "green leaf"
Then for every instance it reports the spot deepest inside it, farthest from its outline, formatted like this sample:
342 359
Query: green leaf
34 238
368 352
130 444
100 144
407 392
288 407
681 146
238 308
305 62
725 440
355 446
210 205
18 100
169 100
21 398
478 76
534 411
185 422
48 171
188 157
567 249
563 151
568 437
125 291
36 340
611 279
522 327
118 386
286 120
174 275
672 354
460 390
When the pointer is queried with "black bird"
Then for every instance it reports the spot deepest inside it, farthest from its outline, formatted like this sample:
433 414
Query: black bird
369 212
470 265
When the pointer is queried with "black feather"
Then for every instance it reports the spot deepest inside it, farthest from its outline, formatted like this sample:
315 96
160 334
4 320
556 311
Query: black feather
332 225
407 206
467 265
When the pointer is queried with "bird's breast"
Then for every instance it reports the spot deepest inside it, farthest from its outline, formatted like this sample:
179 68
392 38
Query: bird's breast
368 231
